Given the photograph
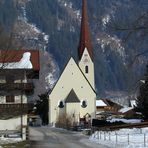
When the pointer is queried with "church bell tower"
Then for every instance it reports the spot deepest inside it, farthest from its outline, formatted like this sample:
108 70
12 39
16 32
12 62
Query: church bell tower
85 52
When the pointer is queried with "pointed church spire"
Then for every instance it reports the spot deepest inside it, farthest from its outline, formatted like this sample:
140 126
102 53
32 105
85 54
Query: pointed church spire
85 41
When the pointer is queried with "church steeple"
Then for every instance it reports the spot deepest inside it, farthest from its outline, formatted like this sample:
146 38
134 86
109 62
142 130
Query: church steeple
85 41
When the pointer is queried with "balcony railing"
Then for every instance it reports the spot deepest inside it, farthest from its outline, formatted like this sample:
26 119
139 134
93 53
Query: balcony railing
11 110
27 87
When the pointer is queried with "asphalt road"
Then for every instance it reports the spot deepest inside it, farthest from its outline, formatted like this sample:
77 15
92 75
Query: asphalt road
46 137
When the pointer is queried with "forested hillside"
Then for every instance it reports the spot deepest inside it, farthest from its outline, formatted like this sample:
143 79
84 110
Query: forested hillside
115 42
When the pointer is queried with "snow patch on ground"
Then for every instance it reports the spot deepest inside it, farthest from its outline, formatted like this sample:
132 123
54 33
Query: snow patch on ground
124 138
12 123
36 135
4 140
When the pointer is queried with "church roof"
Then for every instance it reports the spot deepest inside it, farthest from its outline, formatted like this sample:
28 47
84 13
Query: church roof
72 97
85 41
50 91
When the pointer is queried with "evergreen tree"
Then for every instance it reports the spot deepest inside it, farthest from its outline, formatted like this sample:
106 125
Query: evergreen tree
142 100
42 108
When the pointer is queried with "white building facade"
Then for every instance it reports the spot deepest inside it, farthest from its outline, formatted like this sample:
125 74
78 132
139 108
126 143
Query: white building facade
15 89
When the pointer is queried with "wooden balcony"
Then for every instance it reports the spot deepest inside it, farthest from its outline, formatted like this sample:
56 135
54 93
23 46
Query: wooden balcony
25 87
12 110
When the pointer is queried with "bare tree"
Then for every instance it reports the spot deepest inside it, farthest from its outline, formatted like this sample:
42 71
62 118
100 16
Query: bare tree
138 26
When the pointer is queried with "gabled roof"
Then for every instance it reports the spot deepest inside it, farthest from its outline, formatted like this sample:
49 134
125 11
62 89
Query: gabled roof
107 102
100 103
72 97
125 109
111 103
50 91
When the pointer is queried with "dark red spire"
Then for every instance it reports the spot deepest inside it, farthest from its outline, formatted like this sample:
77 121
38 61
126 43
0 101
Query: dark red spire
85 41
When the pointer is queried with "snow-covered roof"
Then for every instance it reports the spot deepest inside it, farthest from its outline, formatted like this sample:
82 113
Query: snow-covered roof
19 59
125 109
133 103
100 103
125 120
24 63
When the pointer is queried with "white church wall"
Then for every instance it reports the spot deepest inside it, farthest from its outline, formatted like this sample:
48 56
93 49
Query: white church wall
73 109
72 78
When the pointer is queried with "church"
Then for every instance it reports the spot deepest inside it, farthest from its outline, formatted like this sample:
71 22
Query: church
74 93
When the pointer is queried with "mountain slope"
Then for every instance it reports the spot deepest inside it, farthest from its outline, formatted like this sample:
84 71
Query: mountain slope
114 49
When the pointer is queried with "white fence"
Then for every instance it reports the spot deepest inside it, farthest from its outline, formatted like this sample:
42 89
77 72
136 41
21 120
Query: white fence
122 138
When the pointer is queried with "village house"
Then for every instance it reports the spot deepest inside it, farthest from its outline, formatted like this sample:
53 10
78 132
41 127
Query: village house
17 69
129 112
106 108
74 93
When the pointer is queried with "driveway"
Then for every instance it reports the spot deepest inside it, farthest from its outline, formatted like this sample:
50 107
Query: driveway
46 137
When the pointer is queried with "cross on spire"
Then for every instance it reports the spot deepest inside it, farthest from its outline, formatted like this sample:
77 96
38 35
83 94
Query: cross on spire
85 41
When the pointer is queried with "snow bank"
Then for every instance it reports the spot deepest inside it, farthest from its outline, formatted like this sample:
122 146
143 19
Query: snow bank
124 138
4 140
125 120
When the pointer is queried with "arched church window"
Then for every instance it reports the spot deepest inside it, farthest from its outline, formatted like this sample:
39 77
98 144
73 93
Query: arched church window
86 69
61 104
83 103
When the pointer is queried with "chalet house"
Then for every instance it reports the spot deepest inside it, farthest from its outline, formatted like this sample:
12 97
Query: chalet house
17 69
129 112
74 93
106 107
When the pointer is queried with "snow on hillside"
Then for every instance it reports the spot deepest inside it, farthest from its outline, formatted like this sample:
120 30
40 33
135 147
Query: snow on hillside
106 19
29 36
113 42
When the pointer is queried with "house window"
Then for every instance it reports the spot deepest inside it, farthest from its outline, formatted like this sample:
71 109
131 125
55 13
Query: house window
2 79
86 69
10 99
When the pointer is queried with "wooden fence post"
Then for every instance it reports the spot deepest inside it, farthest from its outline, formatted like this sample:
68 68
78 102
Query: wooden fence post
128 138
144 140
116 138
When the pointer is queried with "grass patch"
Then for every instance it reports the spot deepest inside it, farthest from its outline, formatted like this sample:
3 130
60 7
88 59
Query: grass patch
23 144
